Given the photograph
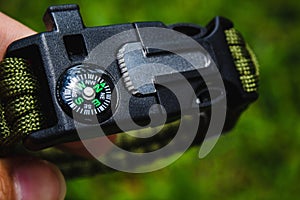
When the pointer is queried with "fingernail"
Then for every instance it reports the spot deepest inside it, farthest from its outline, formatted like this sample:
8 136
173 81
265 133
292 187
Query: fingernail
36 179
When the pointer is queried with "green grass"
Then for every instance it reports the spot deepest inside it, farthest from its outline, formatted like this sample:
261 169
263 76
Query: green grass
259 159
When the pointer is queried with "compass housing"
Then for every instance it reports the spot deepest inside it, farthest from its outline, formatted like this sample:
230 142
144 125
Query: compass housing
85 92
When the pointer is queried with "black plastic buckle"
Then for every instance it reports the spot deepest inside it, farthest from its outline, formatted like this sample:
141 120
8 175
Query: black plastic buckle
68 42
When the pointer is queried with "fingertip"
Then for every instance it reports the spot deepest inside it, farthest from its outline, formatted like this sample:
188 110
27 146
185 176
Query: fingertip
62 188
37 179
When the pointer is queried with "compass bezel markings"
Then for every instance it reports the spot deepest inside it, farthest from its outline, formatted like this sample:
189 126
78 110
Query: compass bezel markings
73 90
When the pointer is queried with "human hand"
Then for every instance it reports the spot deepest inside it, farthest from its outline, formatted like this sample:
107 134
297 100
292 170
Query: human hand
26 177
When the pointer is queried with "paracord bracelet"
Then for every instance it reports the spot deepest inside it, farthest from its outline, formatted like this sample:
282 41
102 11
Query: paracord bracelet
25 86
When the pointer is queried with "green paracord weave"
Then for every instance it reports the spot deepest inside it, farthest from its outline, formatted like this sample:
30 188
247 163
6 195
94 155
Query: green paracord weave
244 59
20 110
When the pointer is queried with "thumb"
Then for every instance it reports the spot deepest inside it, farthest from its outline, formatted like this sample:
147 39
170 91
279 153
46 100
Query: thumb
28 178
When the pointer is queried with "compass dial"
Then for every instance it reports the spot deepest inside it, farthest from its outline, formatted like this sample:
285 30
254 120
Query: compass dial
86 92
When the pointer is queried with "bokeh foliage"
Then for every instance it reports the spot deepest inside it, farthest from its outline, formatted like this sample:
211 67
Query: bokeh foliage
260 158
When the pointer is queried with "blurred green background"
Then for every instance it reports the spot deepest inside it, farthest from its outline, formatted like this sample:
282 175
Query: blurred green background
260 158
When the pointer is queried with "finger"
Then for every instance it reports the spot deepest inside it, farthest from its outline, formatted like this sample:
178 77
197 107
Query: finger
11 30
26 178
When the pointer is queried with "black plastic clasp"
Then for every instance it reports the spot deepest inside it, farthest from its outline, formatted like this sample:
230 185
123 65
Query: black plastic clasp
68 42
63 18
